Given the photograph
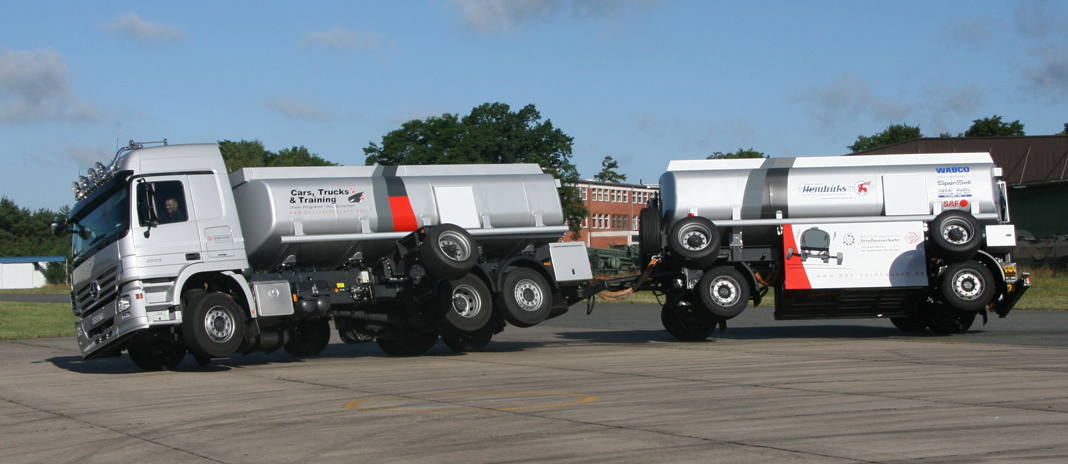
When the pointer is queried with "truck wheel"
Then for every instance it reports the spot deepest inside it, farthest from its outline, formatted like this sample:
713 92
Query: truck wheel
474 341
157 360
686 321
408 344
967 286
955 236
467 305
448 252
723 291
308 338
212 325
949 323
695 239
909 324
525 297
650 235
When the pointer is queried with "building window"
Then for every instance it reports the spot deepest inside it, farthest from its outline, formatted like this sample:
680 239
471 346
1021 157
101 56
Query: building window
582 192
634 225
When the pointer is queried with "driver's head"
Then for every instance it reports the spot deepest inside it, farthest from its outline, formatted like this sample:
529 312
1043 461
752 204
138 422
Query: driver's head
171 204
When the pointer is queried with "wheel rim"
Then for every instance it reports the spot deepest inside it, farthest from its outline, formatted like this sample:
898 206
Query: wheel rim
956 232
219 324
466 301
724 291
454 246
967 285
694 237
528 295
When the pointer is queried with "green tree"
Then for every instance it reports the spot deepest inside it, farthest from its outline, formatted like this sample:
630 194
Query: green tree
28 233
251 154
893 134
491 133
994 127
608 172
741 153
1065 131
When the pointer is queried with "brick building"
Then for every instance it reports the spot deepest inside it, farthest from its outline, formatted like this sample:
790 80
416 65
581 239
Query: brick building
614 208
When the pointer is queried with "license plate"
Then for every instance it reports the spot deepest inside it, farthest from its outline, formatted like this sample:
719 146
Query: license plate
96 318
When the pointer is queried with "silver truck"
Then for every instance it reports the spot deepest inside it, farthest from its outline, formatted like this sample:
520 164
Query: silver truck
923 240
171 255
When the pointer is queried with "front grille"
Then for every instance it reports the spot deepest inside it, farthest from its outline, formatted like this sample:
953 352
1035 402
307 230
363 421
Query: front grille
83 301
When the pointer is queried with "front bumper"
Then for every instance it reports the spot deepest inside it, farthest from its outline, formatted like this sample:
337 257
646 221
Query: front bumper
107 329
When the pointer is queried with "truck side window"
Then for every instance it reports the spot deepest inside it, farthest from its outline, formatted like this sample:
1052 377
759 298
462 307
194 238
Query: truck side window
167 199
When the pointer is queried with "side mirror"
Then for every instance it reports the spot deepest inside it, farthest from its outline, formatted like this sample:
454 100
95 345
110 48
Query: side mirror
59 228
146 204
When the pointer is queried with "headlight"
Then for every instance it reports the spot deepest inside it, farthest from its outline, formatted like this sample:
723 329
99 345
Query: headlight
124 304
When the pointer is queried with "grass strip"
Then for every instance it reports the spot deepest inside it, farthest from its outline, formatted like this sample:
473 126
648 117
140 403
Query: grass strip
35 320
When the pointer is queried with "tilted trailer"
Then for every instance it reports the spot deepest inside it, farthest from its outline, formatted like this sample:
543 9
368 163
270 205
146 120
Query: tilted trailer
923 240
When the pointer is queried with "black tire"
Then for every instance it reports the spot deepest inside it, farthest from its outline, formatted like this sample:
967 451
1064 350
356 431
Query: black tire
408 344
474 341
910 323
695 239
650 235
525 298
308 338
950 322
448 252
686 321
723 291
157 360
967 286
212 325
955 236
466 304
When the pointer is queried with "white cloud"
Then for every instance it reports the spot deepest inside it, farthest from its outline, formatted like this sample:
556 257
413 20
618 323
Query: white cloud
977 33
291 108
341 39
699 138
935 108
131 26
501 16
1040 18
851 97
1051 76
35 87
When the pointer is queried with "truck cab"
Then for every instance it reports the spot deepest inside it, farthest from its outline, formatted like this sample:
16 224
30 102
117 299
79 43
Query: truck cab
142 227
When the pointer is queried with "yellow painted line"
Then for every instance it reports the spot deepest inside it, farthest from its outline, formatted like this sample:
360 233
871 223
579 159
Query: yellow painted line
356 405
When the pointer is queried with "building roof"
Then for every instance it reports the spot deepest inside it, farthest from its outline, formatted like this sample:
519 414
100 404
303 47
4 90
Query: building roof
1026 160
32 259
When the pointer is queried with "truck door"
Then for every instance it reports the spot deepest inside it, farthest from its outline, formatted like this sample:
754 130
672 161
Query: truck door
166 238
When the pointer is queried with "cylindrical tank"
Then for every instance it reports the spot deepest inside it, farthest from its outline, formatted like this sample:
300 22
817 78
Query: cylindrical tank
746 192
365 209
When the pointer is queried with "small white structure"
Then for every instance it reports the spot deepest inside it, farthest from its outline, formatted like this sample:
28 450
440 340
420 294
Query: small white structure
25 271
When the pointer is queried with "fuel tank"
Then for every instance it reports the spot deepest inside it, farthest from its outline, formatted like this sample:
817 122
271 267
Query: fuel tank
756 192
323 217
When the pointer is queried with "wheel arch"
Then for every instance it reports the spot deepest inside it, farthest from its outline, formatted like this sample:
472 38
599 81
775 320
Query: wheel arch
986 259
229 282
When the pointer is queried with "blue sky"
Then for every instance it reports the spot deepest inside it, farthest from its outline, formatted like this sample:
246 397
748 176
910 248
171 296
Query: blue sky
642 81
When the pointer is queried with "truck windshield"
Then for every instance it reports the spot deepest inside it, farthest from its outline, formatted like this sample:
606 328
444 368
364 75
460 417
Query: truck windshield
104 219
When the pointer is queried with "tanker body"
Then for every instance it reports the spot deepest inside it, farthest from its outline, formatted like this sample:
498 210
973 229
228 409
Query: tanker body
924 240
173 256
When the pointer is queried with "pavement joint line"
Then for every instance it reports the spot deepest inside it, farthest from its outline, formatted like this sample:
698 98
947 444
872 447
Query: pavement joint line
126 434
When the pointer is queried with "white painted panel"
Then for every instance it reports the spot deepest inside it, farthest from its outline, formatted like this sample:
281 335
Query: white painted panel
905 195
16 275
1001 235
456 205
